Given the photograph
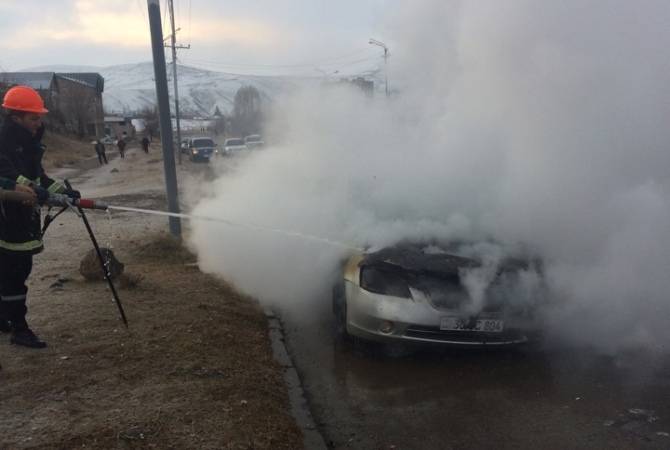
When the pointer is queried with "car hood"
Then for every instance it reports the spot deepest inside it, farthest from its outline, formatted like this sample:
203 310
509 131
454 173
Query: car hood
437 273
415 259
432 259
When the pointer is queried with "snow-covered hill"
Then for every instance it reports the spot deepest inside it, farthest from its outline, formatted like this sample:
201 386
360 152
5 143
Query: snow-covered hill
131 87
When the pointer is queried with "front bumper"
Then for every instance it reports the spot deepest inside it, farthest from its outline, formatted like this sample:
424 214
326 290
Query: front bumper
203 154
388 319
234 149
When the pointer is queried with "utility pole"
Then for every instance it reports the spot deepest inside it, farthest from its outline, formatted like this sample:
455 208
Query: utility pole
173 39
386 56
160 76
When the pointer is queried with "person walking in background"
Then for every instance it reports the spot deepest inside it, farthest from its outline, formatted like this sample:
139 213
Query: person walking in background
145 144
121 144
100 151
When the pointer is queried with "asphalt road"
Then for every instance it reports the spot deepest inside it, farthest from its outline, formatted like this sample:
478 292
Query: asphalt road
537 397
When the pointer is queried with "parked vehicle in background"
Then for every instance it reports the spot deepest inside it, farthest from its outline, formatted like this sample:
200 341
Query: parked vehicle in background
108 140
201 148
254 141
233 145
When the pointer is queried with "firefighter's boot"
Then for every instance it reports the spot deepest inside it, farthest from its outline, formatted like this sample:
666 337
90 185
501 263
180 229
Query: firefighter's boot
26 338
5 326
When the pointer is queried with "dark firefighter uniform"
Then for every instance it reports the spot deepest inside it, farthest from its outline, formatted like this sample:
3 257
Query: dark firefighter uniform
20 228
7 184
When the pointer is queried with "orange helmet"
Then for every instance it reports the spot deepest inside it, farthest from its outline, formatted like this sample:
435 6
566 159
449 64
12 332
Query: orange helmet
24 98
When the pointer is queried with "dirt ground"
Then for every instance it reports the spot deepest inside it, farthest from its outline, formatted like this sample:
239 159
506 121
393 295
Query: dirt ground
65 151
195 368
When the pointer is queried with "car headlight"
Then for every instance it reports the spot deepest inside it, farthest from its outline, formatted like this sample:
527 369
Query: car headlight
194 151
384 281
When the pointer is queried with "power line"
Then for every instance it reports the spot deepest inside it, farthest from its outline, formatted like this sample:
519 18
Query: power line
336 60
285 66
165 14
177 12
265 72
142 11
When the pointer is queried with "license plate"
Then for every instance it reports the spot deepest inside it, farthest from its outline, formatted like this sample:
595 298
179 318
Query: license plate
460 324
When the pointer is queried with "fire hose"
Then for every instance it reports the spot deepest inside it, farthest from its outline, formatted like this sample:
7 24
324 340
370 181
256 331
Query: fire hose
79 204
83 203
54 200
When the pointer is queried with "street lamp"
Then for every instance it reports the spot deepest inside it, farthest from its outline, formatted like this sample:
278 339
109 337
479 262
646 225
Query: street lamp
386 56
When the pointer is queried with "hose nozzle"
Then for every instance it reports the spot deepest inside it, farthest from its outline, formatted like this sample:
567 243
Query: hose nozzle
87 203
64 200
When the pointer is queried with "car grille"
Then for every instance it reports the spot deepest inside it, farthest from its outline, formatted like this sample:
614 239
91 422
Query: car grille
450 304
435 334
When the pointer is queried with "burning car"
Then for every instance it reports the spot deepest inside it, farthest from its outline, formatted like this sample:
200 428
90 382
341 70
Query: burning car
424 294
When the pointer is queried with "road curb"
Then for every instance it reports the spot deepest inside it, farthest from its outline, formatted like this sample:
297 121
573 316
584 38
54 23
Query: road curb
298 403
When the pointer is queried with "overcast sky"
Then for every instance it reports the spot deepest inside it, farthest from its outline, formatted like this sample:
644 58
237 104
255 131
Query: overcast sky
251 36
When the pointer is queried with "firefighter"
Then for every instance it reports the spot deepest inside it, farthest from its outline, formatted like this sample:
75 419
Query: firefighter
21 154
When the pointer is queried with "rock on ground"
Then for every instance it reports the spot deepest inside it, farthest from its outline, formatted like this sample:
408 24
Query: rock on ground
90 265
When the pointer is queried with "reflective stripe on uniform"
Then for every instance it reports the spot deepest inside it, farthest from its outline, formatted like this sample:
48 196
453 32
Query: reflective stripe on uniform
24 180
56 188
21 246
12 298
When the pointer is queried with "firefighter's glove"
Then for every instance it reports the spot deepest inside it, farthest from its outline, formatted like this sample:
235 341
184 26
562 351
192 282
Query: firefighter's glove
42 194
74 195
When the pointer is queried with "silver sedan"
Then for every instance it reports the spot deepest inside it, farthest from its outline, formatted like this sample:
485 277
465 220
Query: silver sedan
408 294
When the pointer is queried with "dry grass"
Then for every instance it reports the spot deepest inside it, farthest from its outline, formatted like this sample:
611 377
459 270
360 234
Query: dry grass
163 247
195 369
65 150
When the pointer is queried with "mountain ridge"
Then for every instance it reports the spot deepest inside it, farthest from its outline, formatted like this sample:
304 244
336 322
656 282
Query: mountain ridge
130 88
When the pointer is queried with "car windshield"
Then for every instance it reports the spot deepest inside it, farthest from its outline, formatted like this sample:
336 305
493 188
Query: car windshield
253 138
203 143
234 142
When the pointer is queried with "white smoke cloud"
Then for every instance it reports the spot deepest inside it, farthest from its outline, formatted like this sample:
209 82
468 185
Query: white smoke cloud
527 122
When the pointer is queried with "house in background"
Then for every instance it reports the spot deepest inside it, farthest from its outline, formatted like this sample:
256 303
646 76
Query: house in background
73 99
367 86
119 127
